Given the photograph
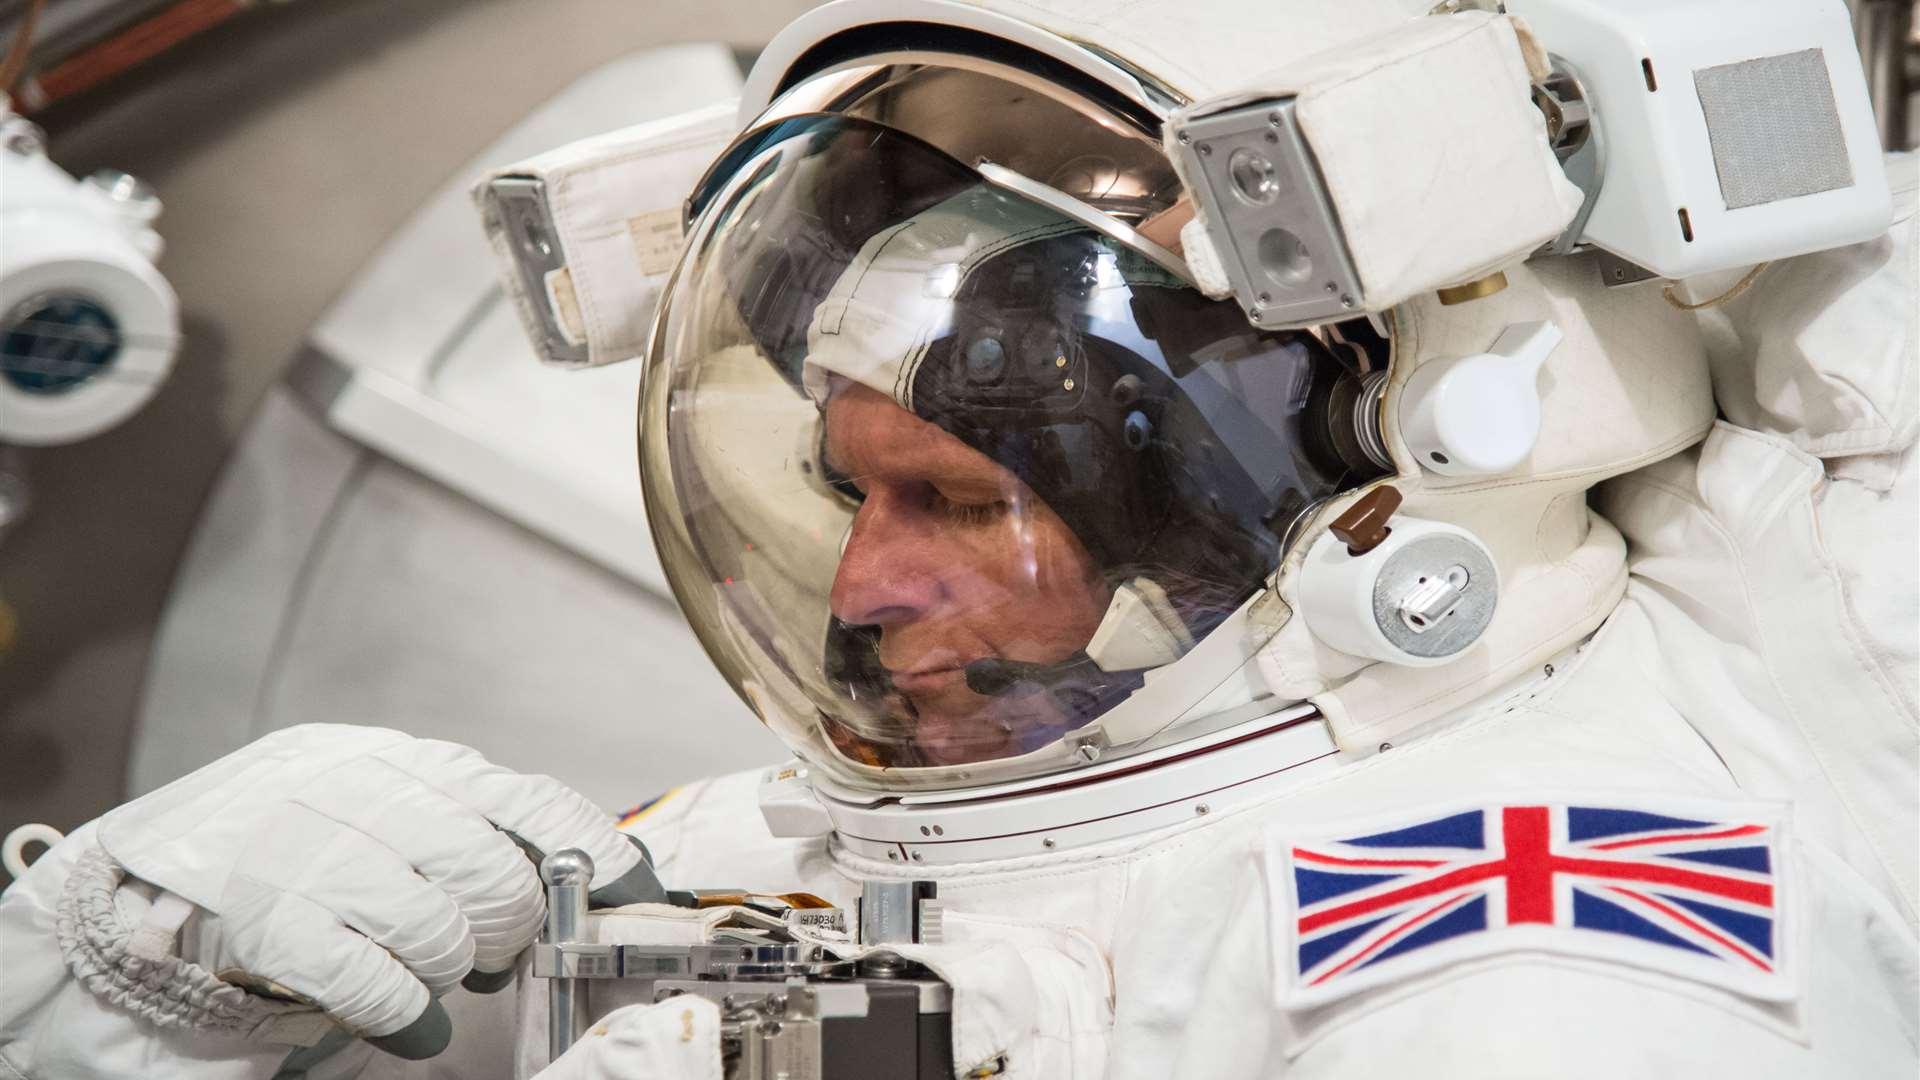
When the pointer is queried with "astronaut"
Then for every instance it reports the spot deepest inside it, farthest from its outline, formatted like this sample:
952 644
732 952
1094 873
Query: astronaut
1255 713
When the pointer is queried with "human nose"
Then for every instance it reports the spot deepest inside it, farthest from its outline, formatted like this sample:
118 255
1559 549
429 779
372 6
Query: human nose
885 575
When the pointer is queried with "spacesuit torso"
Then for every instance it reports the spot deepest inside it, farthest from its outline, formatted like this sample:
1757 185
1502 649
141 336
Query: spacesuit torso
1179 953
1786 758
1747 710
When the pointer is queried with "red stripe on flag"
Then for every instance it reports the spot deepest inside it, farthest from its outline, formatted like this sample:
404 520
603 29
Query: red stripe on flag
1692 925
1466 875
1752 892
1528 832
1389 936
1671 838
1335 860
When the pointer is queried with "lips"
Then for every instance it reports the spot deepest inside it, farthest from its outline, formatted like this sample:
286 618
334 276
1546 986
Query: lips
928 679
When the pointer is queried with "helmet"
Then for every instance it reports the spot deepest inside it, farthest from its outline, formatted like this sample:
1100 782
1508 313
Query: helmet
962 481
950 474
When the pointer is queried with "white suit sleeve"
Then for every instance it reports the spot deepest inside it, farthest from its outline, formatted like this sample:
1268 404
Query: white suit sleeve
1824 352
1821 350
54 1028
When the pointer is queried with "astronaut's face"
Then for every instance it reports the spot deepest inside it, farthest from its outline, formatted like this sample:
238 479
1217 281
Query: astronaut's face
954 559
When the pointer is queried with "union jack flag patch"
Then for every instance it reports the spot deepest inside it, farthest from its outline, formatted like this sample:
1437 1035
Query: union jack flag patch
1692 890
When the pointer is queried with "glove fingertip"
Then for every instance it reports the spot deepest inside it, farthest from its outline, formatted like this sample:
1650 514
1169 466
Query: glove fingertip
639 885
426 1037
487 982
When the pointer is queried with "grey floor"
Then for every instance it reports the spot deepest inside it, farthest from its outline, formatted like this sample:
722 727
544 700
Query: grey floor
287 146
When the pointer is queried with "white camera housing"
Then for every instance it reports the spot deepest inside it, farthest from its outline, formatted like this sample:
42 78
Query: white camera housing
1732 131
88 326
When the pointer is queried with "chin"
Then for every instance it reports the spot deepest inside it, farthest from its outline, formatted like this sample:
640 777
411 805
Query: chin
985 729
947 741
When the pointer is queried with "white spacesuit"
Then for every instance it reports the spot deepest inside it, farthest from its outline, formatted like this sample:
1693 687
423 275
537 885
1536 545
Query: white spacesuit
1445 688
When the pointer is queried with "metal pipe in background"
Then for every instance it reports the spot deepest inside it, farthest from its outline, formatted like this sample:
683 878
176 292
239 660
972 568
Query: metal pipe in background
1884 31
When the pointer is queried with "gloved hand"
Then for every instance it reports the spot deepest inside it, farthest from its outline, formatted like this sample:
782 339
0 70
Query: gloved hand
676 1039
360 869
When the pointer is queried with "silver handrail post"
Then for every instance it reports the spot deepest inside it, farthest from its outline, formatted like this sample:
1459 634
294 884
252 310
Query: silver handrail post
568 876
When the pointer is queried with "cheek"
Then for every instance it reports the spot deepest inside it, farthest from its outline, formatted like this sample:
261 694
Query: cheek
1023 586
1056 579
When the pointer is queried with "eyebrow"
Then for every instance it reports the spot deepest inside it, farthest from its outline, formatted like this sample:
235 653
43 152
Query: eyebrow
967 468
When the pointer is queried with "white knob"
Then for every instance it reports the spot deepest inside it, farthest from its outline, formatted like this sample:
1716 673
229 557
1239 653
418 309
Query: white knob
1479 415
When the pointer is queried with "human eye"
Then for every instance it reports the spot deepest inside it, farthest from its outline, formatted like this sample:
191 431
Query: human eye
849 486
970 511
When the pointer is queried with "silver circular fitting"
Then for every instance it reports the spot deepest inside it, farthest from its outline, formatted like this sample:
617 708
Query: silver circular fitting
1255 177
1439 561
1366 419
1284 257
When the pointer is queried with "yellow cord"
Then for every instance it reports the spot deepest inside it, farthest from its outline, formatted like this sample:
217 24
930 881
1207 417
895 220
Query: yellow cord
1739 287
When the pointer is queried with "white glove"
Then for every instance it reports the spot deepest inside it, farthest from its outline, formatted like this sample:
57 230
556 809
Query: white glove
357 868
1029 998
677 1039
